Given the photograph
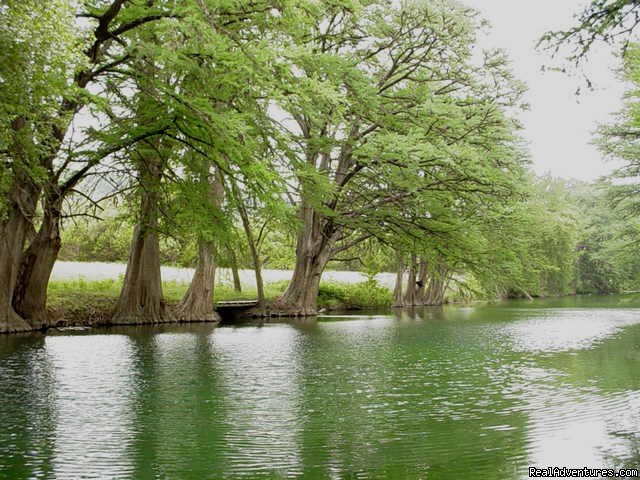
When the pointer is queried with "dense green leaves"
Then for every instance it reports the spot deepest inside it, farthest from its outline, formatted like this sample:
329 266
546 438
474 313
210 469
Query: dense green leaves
381 125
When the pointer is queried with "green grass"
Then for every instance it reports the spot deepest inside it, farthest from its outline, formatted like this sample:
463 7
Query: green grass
80 298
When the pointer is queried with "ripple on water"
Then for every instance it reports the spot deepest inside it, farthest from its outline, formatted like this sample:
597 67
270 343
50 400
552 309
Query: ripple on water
564 329
443 396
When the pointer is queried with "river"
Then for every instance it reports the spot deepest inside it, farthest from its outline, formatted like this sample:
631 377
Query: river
480 391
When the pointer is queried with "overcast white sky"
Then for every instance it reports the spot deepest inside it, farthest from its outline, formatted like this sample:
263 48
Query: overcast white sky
559 124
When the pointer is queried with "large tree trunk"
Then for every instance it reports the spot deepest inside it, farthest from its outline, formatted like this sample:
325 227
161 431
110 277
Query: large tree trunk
197 303
17 210
398 290
257 268
431 294
301 296
313 252
421 282
30 294
141 300
13 233
410 294
437 288
419 285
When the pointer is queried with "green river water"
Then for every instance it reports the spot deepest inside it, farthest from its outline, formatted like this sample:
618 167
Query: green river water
475 392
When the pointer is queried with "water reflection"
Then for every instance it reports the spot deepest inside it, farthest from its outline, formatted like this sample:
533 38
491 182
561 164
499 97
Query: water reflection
261 395
385 411
578 430
92 404
447 393
594 417
28 413
178 405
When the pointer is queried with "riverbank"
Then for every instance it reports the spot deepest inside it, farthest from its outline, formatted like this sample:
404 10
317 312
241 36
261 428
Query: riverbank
85 293
91 302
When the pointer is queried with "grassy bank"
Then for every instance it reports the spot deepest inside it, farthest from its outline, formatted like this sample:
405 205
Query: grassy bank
83 301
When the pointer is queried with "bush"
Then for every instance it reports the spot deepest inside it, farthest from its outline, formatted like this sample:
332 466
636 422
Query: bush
368 294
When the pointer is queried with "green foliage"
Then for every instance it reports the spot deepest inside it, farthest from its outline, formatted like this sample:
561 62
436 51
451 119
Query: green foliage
608 259
277 248
362 132
609 256
109 240
396 117
39 51
600 21
97 241
369 294
619 140
527 246
369 257
39 46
